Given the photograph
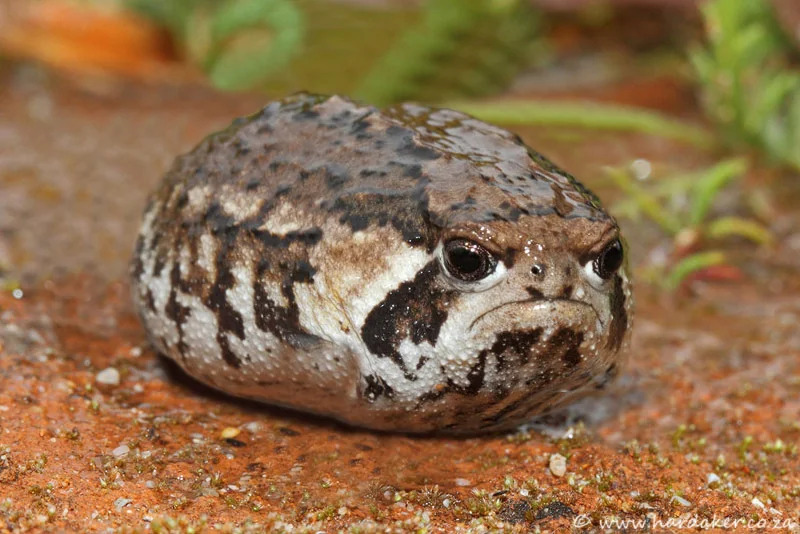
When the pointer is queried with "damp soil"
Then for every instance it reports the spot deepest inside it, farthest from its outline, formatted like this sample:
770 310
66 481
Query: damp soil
100 433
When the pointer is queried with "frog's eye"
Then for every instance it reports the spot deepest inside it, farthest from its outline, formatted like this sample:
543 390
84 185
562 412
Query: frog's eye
467 261
608 261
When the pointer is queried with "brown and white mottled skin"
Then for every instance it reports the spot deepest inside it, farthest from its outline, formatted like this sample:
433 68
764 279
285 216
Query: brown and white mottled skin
304 257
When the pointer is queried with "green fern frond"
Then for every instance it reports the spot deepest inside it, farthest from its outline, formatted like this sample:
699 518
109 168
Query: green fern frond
459 49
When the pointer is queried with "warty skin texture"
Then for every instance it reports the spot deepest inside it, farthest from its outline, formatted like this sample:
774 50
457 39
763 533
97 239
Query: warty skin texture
300 257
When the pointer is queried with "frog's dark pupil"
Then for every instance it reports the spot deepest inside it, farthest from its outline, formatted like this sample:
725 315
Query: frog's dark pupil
467 261
609 260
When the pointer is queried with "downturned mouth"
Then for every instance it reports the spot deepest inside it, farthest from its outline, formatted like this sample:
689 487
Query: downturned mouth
537 300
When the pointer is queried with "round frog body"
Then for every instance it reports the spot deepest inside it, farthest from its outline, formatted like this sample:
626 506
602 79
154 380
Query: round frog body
410 269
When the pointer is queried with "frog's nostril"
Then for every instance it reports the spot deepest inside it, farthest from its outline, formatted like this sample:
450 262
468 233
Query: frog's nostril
537 270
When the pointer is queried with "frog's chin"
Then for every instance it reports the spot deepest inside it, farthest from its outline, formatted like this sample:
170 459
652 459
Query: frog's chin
521 313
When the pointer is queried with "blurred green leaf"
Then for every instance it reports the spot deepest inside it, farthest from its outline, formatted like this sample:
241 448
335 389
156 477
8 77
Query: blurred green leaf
239 43
740 227
459 49
585 115
251 39
709 185
692 264
651 205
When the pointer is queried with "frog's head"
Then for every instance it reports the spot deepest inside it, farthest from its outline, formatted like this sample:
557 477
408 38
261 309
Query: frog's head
525 299
552 288
539 306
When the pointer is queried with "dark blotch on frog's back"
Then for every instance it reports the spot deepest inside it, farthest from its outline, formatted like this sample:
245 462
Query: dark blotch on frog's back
407 213
402 138
282 322
551 167
175 310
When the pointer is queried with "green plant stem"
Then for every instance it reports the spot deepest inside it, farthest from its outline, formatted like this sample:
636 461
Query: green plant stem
649 204
691 264
586 115
739 227
710 183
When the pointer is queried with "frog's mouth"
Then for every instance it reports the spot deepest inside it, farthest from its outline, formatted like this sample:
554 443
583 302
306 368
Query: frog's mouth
541 302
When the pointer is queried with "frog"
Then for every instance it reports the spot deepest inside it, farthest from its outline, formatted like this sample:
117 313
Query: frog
408 269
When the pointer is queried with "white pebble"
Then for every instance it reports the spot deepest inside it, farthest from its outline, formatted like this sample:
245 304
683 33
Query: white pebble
558 465
253 427
757 503
712 478
680 500
109 377
641 169
462 482
121 503
122 450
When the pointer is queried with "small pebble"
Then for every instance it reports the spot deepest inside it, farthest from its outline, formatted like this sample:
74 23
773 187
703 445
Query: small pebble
462 482
712 479
230 432
642 169
109 377
122 450
253 427
757 503
680 500
121 503
558 465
